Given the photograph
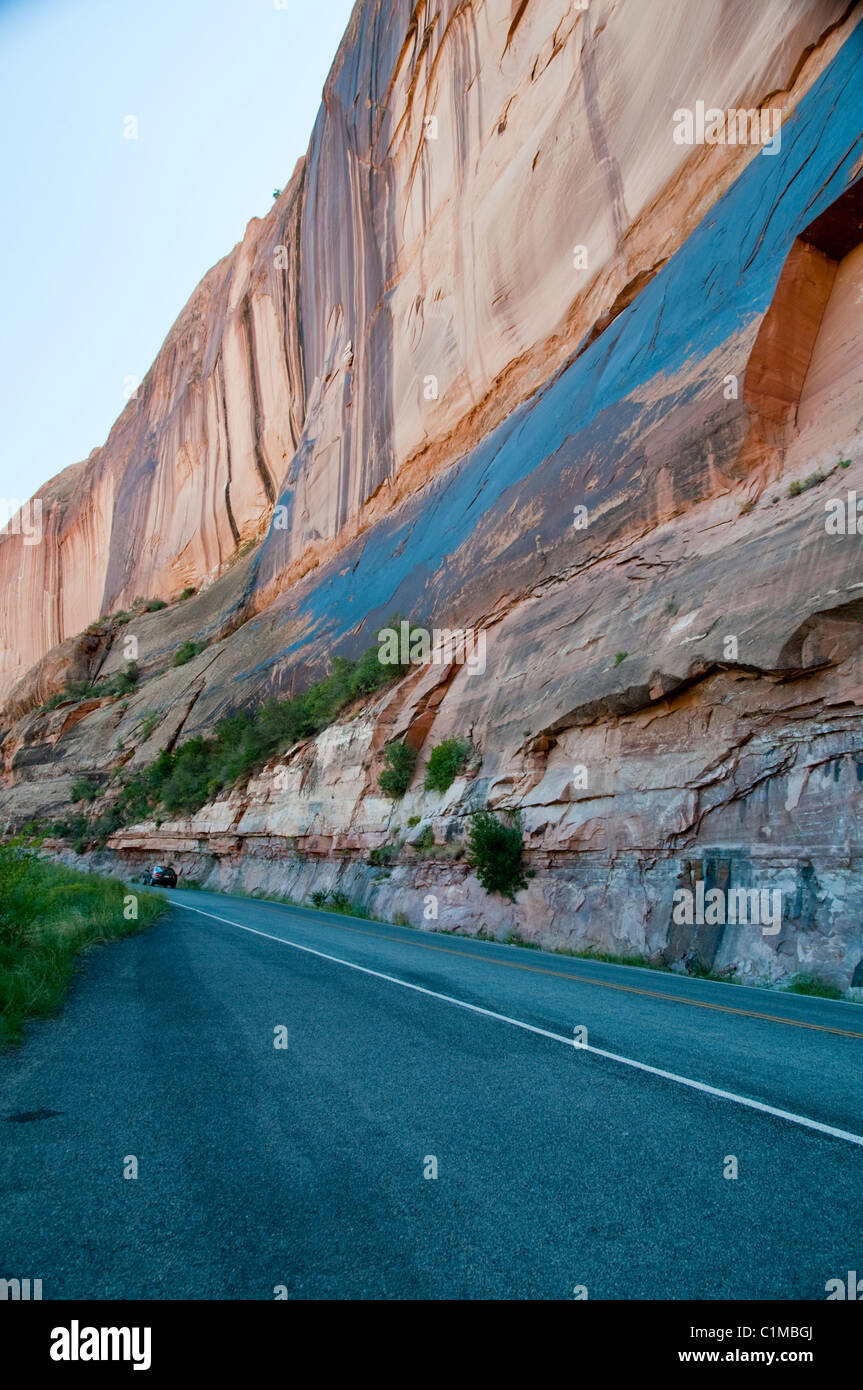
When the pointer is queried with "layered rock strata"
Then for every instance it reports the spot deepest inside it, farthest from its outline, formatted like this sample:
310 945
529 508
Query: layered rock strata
507 357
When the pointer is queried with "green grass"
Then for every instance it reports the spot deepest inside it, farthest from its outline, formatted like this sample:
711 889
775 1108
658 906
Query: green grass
810 984
48 915
338 902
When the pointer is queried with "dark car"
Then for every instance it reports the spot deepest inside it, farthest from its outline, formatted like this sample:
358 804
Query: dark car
163 875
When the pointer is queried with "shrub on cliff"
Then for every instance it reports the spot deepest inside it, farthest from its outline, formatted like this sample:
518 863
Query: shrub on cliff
496 850
84 789
186 651
148 724
189 777
445 762
125 682
396 777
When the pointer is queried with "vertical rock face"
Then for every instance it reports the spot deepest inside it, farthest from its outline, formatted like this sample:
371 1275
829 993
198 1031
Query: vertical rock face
505 354
413 282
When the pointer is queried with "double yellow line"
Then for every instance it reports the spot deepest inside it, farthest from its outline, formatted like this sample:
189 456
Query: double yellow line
603 984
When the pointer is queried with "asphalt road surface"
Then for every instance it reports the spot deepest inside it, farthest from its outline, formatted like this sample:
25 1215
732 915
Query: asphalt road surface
302 1169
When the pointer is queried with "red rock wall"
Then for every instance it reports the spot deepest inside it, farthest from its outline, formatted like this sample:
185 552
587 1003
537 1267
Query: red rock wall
301 360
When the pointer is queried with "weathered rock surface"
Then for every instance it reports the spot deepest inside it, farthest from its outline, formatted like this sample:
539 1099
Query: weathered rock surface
403 371
299 365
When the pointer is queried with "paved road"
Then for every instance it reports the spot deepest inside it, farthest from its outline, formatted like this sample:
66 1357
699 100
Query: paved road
557 1166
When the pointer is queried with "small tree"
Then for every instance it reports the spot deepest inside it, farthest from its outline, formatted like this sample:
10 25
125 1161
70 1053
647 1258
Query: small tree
445 762
396 777
496 850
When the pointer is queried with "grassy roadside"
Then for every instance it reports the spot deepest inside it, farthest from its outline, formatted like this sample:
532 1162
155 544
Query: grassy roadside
48 914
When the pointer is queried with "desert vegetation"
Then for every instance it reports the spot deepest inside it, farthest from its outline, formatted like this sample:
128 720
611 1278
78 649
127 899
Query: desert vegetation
181 780
48 915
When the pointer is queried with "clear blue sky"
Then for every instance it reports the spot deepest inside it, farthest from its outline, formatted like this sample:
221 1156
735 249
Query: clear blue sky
103 239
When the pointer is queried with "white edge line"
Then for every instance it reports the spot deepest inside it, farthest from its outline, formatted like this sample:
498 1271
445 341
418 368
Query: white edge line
544 1033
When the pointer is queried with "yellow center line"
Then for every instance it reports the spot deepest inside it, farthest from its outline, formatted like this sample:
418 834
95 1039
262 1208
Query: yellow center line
601 984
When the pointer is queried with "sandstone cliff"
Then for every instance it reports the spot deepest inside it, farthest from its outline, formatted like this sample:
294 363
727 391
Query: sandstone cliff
505 355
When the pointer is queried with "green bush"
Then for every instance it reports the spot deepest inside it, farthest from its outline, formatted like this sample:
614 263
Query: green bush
396 777
124 683
188 592
84 789
496 849
383 854
105 825
186 651
445 762
153 605
812 480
